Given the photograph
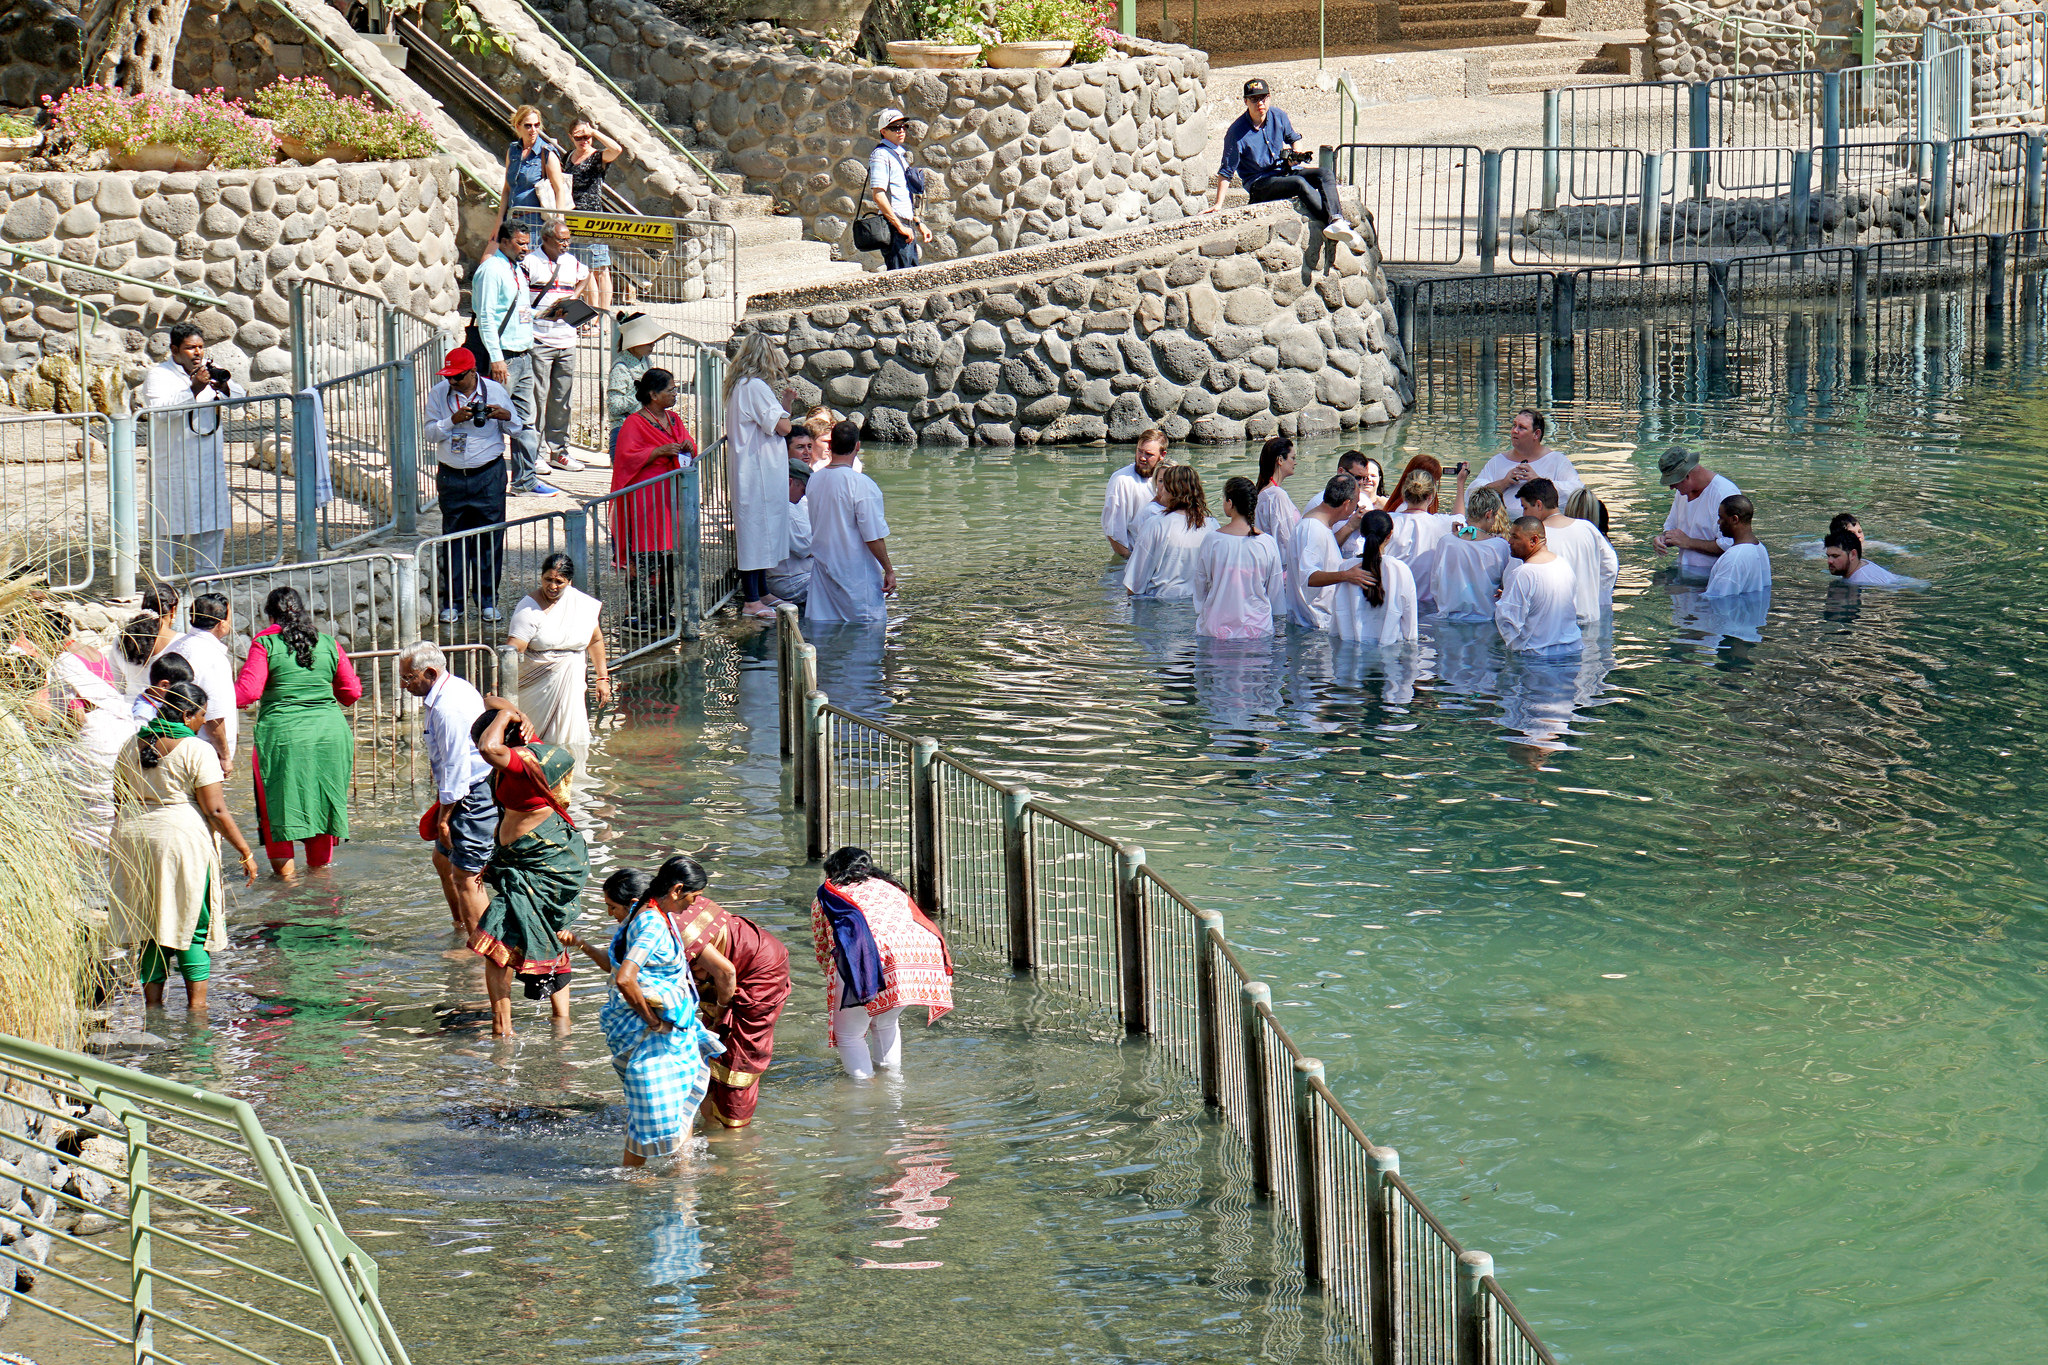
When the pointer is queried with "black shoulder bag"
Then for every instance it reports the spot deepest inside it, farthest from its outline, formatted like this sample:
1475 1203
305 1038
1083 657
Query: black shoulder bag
871 231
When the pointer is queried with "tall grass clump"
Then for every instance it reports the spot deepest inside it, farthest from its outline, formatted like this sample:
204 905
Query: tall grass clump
49 961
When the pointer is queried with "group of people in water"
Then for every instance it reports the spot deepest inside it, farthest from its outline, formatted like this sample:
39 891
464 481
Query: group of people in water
1524 544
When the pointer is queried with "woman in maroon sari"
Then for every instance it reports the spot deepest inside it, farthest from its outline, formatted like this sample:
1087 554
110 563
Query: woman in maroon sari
651 442
742 974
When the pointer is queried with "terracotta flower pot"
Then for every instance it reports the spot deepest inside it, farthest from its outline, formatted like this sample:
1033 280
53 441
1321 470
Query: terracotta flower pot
160 156
19 148
341 151
934 56
294 150
1014 56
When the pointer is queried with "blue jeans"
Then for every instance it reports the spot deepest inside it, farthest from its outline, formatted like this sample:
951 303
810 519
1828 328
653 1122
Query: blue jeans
901 253
526 445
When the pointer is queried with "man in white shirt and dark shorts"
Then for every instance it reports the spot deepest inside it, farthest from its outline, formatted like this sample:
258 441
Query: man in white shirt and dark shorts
466 813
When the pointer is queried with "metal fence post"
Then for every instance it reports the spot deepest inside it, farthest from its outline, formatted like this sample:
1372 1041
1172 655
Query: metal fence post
305 480
1939 208
2036 143
1260 1136
1473 1266
1923 116
121 497
924 826
1830 131
1650 219
1553 138
1130 935
806 683
405 449
1802 203
1699 135
302 361
690 492
1859 283
1313 1176
1489 210
818 753
1017 875
1562 312
1383 1261
1717 298
785 675
1994 282
1208 931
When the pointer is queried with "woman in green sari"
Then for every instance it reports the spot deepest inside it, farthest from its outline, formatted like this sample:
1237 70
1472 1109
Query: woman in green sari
305 755
537 870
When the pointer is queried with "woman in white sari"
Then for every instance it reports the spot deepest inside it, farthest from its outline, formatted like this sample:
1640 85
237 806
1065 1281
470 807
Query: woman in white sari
558 634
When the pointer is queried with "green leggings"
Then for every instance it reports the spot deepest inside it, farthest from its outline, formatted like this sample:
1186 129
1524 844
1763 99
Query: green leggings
195 964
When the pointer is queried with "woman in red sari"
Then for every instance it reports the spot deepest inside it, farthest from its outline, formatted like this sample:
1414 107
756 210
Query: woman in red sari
1428 462
742 973
651 442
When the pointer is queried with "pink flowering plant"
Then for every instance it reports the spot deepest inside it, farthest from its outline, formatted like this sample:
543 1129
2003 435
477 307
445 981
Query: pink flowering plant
306 111
1084 23
102 117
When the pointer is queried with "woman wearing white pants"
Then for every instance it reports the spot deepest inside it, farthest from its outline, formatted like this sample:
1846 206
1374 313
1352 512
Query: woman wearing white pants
880 956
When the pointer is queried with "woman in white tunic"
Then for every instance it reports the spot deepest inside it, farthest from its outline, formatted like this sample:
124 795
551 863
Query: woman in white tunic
1384 613
757 465
1239 580
168 896
1470 561
1163 559
1417 529
559 634
1277 512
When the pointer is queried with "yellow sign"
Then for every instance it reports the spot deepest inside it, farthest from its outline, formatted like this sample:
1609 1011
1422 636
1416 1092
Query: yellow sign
647 231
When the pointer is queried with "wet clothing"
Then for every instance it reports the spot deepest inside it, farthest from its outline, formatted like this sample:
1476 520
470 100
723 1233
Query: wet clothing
1740 569
747 1027
166 888
1162 563
1239 584
911 962
1466 575
536 880
663 1070
305 754
1276 515
1393 622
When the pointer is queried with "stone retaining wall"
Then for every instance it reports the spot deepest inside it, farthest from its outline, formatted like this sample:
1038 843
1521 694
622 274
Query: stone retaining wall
1013 158
1211 330
1688 46
385 227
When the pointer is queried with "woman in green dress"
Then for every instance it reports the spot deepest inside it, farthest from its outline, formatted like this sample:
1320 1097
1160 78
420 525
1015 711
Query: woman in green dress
305 753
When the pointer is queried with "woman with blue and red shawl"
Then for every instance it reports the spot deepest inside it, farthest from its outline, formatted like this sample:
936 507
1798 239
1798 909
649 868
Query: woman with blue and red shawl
880 955
537 869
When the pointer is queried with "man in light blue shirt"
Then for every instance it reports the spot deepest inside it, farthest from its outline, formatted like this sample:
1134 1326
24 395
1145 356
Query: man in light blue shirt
1259 150
501 297
893 186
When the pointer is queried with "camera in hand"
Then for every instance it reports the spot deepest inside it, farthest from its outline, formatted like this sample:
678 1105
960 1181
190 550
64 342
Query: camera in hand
479 413
1294 157
217 375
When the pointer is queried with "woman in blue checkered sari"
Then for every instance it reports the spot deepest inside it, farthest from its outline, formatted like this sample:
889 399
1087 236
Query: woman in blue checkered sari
658 1043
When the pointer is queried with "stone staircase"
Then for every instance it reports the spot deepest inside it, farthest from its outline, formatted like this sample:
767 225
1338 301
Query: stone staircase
1545 65
1462 23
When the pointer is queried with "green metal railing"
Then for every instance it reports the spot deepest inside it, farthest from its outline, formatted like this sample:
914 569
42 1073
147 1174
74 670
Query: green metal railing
217 1236
1092 920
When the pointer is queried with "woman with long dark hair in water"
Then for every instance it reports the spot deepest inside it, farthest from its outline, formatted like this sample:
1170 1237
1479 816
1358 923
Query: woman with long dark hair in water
1383 612
1277 513
1239 579
304 758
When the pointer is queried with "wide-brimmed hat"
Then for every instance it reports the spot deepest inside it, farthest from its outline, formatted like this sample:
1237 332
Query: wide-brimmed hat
458 361
1674 464
798 470
641 329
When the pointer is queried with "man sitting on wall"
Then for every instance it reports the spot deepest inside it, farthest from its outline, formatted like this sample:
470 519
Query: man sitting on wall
1259 150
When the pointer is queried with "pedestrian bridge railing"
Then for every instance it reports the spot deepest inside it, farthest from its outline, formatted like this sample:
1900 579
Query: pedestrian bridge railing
225 1244
1094 920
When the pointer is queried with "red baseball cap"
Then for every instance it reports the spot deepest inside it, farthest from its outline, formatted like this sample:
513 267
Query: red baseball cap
459 361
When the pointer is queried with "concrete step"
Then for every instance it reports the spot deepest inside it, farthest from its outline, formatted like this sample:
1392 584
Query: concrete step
1435 30
788 265
1461 10
1525 85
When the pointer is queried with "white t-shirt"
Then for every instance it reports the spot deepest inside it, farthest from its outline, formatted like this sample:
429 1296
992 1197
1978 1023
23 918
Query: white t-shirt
1162 563
553 281
1414 542
1314 551
1549 465
1740 569
1594 565
213 668
1538 607
791 579
1877 576
1393 622
846 581
1126 495
1467 575
1700 518
1240 585
1276 515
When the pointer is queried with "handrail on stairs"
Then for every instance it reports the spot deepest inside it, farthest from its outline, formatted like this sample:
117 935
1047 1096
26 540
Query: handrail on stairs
177 291
654 125
350 67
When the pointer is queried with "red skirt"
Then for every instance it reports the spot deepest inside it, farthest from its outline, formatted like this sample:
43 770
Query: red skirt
747 1027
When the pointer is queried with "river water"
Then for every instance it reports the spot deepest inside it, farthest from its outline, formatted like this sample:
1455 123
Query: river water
1698 982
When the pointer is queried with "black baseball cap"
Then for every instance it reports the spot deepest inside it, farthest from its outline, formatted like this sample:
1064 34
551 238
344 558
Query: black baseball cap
1255 89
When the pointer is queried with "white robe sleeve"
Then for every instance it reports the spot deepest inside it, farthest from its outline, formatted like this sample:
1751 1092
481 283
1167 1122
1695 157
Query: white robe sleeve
1610 565
1399 625
1138 570
1276 581
1511 613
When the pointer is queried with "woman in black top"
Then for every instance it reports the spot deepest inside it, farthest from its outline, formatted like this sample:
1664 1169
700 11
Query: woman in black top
591 154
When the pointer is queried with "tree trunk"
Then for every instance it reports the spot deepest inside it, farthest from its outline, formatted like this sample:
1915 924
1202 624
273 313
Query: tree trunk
132 44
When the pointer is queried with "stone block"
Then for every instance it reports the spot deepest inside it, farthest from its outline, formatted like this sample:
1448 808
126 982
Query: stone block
1291 391
1075 427
1181 356
1204 310
1248 307
1095 395
979 376
1098 352
1217 429
984 338
1336 390
897 383
1127 418
1028 376
1040 411
847 390
1236 272
31 220
995 434
1241 403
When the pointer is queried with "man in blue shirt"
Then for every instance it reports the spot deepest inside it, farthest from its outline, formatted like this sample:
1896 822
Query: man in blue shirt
893 186
501 297
1256 151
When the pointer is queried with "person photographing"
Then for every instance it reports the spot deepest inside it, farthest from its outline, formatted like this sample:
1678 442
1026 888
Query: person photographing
1260 150
189 500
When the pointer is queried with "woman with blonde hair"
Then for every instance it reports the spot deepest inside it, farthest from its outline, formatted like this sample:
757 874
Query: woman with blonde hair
1418 526
1585 505
1163 560
530 162
757 466
1470 562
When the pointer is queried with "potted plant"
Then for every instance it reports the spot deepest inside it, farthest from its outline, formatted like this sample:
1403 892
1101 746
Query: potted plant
313 123
164 130
1048 33
18 138
950 35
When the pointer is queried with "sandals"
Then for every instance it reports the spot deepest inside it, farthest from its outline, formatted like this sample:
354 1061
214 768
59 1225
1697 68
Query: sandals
758 613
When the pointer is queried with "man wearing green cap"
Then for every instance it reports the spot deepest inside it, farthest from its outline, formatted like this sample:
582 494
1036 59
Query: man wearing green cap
1693 527
791 579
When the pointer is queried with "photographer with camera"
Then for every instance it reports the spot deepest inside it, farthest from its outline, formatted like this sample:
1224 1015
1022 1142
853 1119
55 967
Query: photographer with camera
470 418
1259 150
188 471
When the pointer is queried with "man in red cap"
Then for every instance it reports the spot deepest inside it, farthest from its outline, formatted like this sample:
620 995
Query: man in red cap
470 419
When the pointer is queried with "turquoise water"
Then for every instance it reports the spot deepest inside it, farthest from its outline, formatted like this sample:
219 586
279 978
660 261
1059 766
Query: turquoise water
1698 981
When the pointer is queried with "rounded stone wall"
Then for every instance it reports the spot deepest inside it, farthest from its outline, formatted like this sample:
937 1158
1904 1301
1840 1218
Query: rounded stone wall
385 227
1012 158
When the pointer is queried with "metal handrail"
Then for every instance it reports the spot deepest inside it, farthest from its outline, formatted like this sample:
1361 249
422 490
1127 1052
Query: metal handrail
350 67
154 286
654 125
364 294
